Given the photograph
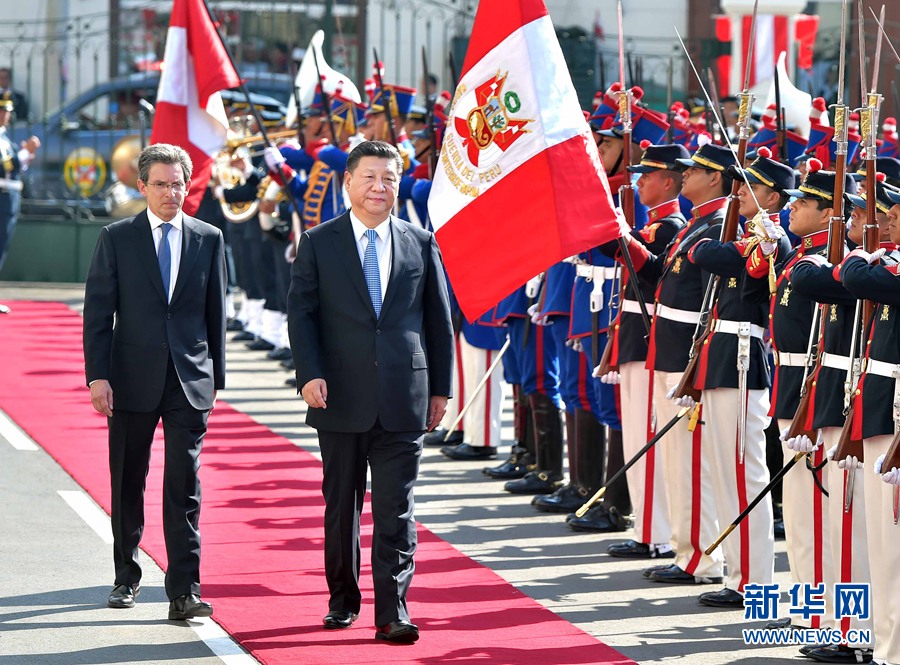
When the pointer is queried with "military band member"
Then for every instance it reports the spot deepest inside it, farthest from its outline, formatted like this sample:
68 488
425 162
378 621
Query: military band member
736 447
876 420
680 286
659 187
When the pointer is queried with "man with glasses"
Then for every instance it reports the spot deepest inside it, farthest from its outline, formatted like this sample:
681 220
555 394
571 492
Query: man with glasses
154 347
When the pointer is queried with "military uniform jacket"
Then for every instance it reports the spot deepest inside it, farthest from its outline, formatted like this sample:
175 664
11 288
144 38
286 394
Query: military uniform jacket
515 305
9 168
873 412
815 278
790 318
718 355
680 285
558 284
629 336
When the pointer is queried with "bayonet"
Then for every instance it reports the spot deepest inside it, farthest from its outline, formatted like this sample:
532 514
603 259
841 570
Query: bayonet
385 100
886 38
876 68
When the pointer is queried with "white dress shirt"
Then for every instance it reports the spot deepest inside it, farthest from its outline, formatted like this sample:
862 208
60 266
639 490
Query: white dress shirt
174 239
383 247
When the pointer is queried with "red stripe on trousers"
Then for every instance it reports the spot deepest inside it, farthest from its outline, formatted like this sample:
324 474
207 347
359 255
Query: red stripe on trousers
539 359
818 573
487 401
742 504
695 497
649 471
846 549
462 382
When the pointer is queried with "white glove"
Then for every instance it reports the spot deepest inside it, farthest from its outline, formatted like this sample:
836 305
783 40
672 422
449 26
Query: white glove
577 345
219 192
875 256
831 452
624 229
685 401
850 464
274 158
800 444
775 233
892 477
535 313
533 286
878 463
610 378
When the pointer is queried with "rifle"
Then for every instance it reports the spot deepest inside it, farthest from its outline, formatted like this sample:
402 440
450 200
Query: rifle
835 235
385 100
779 120
429 116
868 124
326 100
729 228
670 114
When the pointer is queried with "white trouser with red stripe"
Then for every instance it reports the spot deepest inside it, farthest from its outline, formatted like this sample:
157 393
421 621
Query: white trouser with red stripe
884 554
482 421
460 394
646 479
750 549
688 486
806 532
847 530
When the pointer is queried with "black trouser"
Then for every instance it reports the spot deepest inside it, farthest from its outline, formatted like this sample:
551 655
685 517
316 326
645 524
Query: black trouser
130 439
394 460
282 274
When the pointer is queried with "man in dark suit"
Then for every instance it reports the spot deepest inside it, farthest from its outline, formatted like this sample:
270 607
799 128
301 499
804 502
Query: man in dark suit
370 330
154 336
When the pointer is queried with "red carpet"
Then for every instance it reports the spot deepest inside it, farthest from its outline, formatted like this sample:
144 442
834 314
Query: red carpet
262 529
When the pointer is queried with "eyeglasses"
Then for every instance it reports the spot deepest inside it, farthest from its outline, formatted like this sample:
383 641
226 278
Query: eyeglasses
162 187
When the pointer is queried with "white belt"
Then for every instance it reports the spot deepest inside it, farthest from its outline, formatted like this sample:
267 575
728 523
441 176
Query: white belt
9 183
574 260
634 307
595 273
731 328
680 315
880 368
791 359
835 361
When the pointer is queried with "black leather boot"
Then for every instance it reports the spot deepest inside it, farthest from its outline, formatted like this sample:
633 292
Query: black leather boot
568 497
548 439
591 462
521 459
617 495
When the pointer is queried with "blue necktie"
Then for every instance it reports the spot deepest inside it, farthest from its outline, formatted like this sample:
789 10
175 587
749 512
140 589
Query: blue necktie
373 275
165 258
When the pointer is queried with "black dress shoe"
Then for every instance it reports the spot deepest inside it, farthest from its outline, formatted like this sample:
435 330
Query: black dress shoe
600 519
465 452
779 624
566 499
534 482
675 575
436 438
515 467
189 606
244 336
233 325
398 631
259 344
339 619
805 649
122 596
652 569
282 353
725 598
288 364
779 529
292 382
838 653
635 550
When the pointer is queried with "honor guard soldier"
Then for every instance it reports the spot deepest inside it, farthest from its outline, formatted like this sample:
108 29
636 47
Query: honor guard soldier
889 166
876 420
890 141
680 288
593 307
13 160
659 187
817 279
791 328
733 376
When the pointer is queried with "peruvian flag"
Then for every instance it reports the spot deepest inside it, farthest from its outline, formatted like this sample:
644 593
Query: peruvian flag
519 185
189 111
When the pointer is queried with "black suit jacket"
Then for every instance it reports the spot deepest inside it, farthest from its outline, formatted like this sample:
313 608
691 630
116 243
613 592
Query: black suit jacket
124 280
385 368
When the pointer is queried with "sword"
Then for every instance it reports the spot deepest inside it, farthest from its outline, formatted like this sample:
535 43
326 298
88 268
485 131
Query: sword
743 367
886 38
478 389
669 113
876 69
643 451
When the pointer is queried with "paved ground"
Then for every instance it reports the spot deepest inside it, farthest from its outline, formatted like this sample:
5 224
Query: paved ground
564 571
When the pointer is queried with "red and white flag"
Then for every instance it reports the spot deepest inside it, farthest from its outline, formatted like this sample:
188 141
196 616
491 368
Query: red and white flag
189 110
519 185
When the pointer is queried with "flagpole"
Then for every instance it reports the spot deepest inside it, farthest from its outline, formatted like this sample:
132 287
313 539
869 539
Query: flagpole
259 121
